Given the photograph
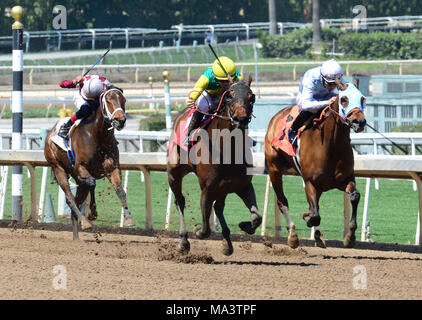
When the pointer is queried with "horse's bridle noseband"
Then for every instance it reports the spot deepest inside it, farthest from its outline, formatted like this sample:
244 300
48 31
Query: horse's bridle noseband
231 102
107 114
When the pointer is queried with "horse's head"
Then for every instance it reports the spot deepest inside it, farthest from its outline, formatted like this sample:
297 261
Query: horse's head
113 107
239 100
352 104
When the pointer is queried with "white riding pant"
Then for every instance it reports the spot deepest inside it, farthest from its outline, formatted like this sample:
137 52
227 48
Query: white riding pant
206 103
78 100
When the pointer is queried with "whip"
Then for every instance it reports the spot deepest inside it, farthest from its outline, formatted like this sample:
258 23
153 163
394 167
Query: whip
392 142
102 57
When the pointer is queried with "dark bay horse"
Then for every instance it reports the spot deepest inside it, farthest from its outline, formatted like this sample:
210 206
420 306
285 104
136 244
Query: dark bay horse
325 157
96 156
220 165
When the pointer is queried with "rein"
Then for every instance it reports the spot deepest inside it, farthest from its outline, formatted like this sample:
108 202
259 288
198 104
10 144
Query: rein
324 112
216 113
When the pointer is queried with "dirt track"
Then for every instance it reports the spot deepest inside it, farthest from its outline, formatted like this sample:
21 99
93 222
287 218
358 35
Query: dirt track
115 266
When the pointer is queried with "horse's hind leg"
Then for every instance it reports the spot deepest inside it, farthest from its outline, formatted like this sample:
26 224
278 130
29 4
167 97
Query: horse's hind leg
206 208
277 182
219 209
248 197
175 183
115 179
349 240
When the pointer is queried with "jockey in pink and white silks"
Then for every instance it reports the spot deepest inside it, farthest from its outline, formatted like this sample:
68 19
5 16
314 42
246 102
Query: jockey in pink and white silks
317 90
86 99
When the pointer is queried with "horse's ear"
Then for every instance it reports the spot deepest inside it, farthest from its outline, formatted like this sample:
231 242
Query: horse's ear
356 81
249 80
341 86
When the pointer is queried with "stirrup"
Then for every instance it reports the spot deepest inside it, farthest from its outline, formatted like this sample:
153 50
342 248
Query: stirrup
293 138
64 132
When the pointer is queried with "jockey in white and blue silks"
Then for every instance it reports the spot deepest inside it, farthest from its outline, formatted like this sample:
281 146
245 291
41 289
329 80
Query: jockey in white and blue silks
317 90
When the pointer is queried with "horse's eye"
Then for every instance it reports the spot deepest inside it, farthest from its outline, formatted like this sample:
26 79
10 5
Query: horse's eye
344 101
252 99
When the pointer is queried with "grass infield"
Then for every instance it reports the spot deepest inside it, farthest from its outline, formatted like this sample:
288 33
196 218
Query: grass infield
393 208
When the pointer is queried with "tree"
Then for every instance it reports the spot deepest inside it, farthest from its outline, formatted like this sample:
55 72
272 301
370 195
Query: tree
272 15
316 37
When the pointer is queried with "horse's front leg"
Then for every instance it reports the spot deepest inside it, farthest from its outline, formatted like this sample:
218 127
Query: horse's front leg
249 198
312 217
206 208
76 215
219 209
349 240
175 178
115 179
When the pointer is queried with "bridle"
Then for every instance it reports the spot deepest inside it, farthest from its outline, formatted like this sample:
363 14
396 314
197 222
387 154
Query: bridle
229 105
108 116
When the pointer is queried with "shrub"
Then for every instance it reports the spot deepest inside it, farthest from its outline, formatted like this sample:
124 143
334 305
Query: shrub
408 128
376 45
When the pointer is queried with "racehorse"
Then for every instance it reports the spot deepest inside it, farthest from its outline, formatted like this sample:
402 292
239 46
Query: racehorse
96 156
325 160
217 164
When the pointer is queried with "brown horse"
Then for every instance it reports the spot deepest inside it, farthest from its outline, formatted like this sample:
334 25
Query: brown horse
220 164
326 160
96 156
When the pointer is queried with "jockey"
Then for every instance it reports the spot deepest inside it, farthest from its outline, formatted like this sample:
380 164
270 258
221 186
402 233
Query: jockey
208 89
86 99
317 90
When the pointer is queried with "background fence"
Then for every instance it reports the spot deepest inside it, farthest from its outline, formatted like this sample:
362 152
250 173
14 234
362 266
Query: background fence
55 40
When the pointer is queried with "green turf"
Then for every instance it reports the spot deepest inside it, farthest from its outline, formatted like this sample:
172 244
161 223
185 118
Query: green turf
392 209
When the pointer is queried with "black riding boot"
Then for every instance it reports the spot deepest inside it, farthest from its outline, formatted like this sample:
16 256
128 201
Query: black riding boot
194 123
64 129
297 124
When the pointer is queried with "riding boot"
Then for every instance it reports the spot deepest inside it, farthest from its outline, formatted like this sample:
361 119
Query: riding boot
297 124
194 123
64 129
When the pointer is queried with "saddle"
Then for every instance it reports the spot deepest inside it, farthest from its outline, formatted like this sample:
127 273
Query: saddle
65 144
181 132
281 141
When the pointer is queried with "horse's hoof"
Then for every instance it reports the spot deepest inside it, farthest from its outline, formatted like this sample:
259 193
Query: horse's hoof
313 221
256 221
349 241
319 240
85 224
184 246
293 240
129 223
92 216
202 235
246 226
227 248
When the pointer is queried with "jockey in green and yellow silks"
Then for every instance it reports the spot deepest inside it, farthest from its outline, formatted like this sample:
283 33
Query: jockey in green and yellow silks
208 89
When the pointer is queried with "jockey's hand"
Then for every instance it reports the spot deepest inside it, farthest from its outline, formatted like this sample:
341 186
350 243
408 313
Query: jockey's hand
191 103
332 100
78 79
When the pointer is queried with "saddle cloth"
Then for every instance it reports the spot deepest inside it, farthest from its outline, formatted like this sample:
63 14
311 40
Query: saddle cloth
183 128
64 144
281 141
